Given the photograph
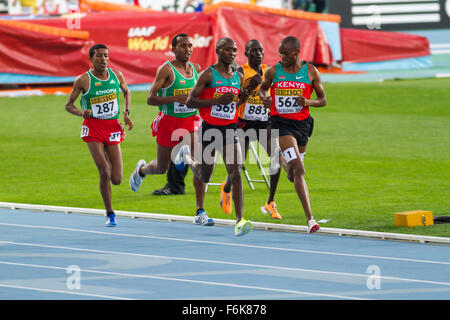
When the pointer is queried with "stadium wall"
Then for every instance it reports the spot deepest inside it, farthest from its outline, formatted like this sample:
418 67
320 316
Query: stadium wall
139 41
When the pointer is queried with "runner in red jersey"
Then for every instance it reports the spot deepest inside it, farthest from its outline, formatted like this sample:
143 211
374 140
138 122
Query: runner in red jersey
292 82
217 94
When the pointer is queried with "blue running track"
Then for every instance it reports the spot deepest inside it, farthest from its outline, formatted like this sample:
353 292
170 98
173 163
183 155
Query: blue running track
52 256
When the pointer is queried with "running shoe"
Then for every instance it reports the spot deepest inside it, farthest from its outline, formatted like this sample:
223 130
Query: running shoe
225 200
202 219
179 159
272 209
313 226
111 220
136 178
243 227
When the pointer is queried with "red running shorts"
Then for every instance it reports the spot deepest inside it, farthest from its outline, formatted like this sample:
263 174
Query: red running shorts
108 132
169 131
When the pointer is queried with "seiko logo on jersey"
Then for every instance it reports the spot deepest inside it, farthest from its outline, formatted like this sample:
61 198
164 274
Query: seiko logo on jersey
107 91
290 84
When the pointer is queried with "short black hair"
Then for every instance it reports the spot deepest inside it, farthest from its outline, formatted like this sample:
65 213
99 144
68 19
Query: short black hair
96 47
175 39
222 41
293 41
249 44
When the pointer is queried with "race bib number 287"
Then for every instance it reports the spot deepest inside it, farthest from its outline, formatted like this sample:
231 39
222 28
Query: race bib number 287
105 107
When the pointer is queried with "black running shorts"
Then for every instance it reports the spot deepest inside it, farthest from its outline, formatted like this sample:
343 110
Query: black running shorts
301 130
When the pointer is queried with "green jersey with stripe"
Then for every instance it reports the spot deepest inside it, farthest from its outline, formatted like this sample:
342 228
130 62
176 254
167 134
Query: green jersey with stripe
180 85
102 96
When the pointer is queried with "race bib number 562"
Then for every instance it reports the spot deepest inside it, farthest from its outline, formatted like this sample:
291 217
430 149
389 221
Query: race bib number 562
286 100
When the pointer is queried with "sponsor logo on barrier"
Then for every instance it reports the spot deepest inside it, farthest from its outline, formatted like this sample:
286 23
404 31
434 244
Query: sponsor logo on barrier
141 31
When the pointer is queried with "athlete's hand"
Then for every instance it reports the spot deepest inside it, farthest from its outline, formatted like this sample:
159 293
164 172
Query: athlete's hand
86 113
267 101
127 121
244 94
226 98
181 98
254 82
301 101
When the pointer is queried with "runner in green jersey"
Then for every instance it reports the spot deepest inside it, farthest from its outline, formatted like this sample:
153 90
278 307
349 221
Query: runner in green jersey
175 122
101 129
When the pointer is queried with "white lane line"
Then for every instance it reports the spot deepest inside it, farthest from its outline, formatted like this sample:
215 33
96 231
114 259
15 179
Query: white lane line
229 244
62 291
224 284
225 263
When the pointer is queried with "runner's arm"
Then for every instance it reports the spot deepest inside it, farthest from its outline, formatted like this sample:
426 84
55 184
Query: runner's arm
265 86
205 79
78 86
321 100
244 92
163 75
127 99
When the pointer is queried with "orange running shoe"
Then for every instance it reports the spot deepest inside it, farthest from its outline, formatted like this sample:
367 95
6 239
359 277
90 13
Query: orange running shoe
272 208
225 200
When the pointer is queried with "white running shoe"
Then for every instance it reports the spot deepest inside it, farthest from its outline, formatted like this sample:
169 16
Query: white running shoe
313 226
179 159
135 178
202 219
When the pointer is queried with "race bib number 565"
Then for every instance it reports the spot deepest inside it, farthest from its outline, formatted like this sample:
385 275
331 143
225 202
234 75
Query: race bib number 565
224 111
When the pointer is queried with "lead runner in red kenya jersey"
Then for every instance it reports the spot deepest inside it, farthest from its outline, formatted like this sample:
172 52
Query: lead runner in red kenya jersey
217 93
294 125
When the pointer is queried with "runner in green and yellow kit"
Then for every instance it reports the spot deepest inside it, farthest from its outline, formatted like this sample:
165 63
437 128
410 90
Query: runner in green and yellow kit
175 122
101 129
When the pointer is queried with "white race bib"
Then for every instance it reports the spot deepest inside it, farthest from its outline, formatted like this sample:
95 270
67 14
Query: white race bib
289 154
222 111
256 112
181 108
115 136
287 104
105 107
84 131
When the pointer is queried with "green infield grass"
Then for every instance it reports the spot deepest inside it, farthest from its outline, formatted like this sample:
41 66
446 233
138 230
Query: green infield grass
377 149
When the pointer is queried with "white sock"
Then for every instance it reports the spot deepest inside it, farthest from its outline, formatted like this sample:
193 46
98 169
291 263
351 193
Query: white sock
302 155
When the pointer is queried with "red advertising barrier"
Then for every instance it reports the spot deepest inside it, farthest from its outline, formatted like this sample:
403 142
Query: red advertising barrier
371 45
139 42
242 26
24 51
